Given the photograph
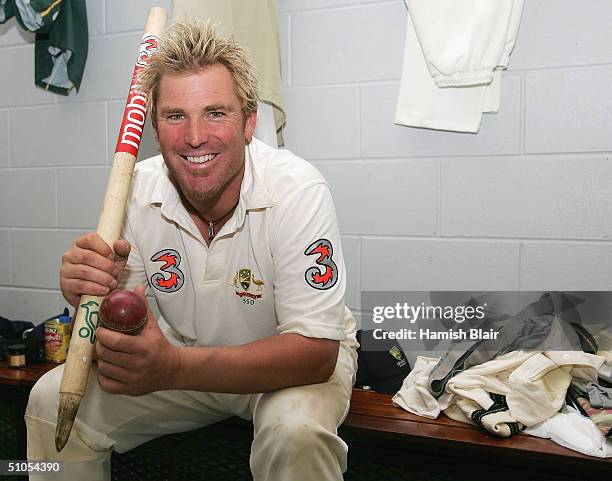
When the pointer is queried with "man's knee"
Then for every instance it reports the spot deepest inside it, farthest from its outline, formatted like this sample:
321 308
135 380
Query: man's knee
41 419
292 422
297 433
44 396
297 447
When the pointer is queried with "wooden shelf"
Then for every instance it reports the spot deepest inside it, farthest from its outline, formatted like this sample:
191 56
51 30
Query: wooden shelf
23 376
375 412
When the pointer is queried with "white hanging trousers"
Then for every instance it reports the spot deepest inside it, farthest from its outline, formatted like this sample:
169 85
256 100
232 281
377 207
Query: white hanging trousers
454 53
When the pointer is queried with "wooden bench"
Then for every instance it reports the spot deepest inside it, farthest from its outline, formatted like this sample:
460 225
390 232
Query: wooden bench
375 413
373 416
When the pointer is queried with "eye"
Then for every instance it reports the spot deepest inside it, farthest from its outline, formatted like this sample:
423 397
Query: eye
175 117
216 115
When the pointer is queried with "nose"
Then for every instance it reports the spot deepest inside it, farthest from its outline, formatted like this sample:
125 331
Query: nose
196 133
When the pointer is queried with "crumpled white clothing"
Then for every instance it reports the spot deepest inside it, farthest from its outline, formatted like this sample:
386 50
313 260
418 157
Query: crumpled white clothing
572 430
604 340
453 56
414 396
534 383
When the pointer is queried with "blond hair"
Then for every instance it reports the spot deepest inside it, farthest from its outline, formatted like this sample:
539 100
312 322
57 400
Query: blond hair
191 45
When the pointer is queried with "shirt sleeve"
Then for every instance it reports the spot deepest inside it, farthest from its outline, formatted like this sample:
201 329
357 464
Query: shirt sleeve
309 271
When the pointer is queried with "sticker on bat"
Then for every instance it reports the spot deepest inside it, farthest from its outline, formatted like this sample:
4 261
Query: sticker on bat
88 331
135 112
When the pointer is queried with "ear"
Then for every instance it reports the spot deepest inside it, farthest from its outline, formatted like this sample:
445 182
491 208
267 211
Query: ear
249 126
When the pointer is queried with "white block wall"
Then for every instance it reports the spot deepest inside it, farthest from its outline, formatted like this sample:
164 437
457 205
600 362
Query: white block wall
55 153
524 204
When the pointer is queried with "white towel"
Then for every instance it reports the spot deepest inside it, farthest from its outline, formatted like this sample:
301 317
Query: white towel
574 431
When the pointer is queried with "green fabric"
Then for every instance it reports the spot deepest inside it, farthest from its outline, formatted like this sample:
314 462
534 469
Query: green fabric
32 15
61 43
6 10
69 35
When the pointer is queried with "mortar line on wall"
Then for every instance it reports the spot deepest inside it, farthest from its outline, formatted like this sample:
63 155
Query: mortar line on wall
561 67
116 34
9 151
30 288
520 264
10 256
16 46
522 115
12 22
81 167
57 104
516 156
336 8
75 230
58 301
8 47
354 83
488 239
590 153
439 209
105 99
360 266
106 134
57 195
34 168
359 130
32 107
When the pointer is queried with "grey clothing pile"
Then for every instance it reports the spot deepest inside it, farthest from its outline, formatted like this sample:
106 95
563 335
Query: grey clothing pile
528 330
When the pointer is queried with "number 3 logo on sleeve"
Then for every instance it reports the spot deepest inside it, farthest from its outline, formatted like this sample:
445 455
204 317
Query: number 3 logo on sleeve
174 278
325 274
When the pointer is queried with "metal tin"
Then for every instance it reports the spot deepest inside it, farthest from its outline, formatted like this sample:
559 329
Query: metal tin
57 340
16 356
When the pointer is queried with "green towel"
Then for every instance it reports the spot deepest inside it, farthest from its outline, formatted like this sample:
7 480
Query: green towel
61 42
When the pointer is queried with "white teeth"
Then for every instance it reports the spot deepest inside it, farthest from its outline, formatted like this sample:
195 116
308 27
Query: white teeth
202 159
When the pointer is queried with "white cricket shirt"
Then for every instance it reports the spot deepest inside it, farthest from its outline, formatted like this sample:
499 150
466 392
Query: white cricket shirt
276 266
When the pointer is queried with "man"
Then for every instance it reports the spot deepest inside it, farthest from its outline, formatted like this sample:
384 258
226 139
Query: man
240 245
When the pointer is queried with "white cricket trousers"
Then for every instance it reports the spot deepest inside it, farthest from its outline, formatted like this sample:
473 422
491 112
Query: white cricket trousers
295 429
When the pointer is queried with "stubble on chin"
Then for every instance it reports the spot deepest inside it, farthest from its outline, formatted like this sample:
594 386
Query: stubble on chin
197 196
200 196
193 195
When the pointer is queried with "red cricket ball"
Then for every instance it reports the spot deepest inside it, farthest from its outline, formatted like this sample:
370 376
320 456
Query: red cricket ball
123 311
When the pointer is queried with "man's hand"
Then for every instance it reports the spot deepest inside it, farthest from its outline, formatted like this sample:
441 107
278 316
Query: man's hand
136 365
90 267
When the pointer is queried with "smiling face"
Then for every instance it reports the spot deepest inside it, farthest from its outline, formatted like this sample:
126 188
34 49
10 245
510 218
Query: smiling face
202 131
